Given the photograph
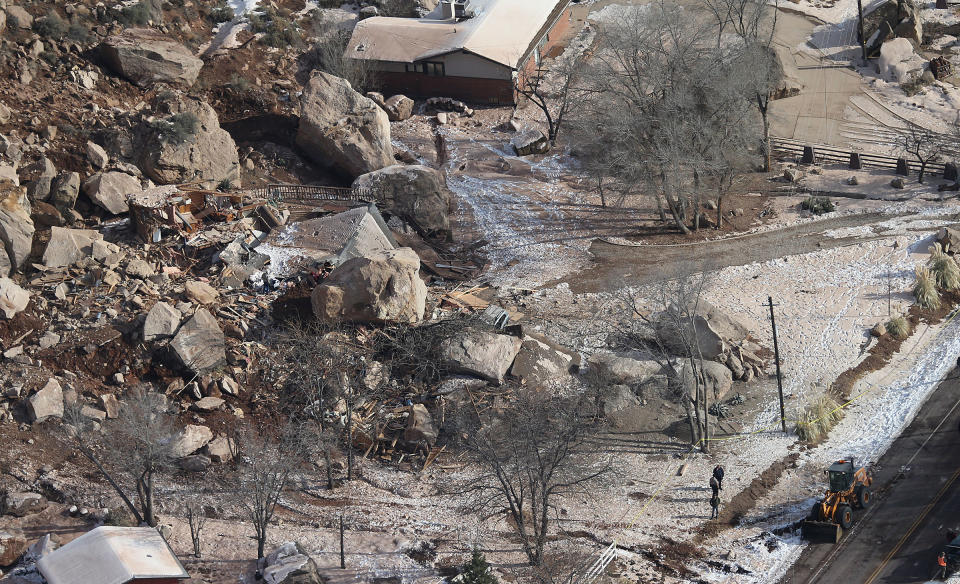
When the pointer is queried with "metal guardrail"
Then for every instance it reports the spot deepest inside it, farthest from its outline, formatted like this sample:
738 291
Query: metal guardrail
307 193
832 154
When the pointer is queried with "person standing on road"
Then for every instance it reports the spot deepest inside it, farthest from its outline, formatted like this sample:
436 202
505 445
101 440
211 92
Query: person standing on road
715 503
715 486
718 474
942 566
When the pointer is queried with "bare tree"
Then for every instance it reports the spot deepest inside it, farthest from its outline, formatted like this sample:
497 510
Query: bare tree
666 330
529 456
925 145
552 89
196 519
136 448
328 55
263 472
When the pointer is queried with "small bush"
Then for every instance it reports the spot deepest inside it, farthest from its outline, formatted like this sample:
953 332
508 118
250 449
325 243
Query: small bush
178 128
238 83
138 13
78 33
221 13
818 419
277 31
818 205
50 26
899 327
944 268
477 570
225 185
925 289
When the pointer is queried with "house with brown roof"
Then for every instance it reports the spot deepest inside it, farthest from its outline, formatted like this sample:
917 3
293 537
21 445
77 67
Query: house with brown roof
466 49
114 555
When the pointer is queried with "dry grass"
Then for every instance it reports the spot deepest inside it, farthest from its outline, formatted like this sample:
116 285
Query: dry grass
899 327
944 269
925 289
818 418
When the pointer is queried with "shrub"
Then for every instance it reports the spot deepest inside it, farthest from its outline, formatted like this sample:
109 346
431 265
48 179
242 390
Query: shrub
178 128
225 185
817 205
119 517
79 33
925 289
138 13
277 31
221 13
50 26
818 418
899 327
944 268
238 83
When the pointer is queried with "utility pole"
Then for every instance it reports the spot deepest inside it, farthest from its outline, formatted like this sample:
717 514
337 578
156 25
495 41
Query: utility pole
863 41
776 354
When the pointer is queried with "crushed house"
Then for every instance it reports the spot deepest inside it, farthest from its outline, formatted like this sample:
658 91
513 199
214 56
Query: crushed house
468 49
114 555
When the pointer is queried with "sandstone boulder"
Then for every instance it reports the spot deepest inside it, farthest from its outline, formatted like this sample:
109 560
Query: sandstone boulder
109 190
420 426
68 246
398 108
22 17
23 504
481 353
538 364
716 377
208 155
289 564
529 141
16 227
64 190
341 128
12 545
46 403
146 57
208 404
192 438
385 287
624 369
97 156
200 344
162 321
41 175
201 292
617 398
416 192
219 449
194 463
13 298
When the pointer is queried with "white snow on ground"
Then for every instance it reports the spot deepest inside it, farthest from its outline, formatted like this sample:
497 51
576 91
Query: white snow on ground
241 7
946 17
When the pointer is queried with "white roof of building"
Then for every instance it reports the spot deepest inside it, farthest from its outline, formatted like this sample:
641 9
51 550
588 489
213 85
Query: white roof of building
112 555
500 30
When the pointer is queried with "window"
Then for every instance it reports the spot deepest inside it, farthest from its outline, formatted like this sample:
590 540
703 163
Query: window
426 68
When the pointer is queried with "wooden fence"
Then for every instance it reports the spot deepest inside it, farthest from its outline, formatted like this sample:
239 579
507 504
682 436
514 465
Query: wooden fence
307 193
823 153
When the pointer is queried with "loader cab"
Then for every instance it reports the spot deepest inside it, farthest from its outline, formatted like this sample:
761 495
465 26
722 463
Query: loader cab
952 552
841 475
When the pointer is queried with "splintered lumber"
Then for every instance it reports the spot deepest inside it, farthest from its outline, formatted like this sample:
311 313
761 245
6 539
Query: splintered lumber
434 453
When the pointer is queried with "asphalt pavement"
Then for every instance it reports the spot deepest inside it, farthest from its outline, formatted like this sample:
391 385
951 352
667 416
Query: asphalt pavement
916 499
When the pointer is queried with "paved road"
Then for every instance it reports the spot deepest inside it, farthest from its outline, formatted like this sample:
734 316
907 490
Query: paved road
897 540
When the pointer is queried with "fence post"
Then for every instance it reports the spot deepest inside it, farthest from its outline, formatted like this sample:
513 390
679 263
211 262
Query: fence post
902 168
807 155
855 161
950 171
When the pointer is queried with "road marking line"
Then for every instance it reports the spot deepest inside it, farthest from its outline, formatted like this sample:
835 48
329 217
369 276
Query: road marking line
913 527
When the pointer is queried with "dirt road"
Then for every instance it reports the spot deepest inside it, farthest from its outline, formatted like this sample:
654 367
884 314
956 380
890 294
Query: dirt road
898 538
616 265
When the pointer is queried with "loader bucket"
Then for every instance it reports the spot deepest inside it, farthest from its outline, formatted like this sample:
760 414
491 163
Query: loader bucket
822 531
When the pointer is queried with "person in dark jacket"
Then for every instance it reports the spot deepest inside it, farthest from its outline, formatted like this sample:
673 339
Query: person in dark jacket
715 504
718 474
715 486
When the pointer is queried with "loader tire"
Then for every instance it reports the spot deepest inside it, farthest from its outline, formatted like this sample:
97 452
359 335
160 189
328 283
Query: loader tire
864 496
845 516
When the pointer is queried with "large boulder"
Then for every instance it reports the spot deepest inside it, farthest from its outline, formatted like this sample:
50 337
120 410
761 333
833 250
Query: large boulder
624 369
16 227
109 190
539 364
46 403
162 321
289 564
64 190
417 192
385 287
68 246
145 57
716 377
12 545
529 141
341 128
899 61
713 330
21 504
172 155
398 108
481 353
200 344
617 398
13 298
192 438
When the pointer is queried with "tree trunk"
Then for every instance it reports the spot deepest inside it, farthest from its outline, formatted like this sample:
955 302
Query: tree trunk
329 463
706 420
923 167
767 150
663 215
719 211
148 508
350 436
677 217
126 500
261 542
694 429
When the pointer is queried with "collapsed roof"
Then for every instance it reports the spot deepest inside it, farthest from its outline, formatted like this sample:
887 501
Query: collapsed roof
112 555
499 30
